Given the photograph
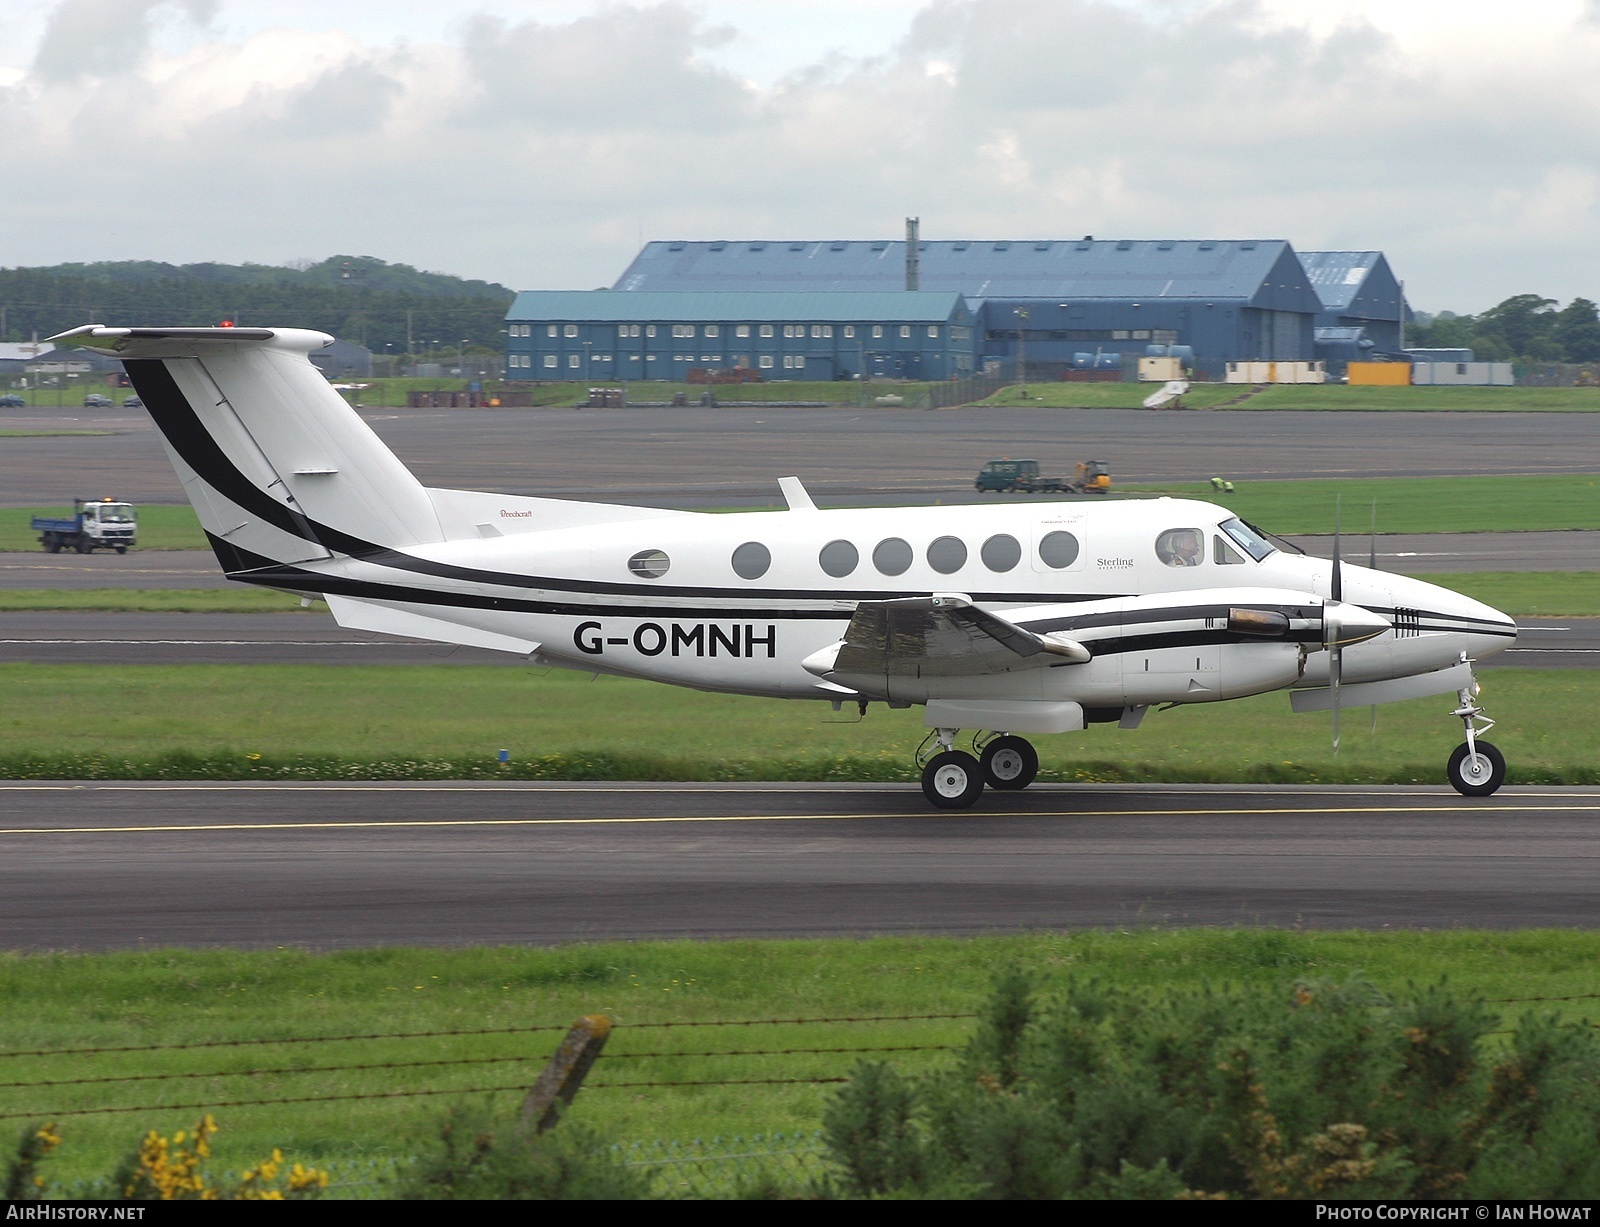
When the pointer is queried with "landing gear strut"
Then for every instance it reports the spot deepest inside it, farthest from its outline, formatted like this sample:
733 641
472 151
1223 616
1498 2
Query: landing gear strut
1476 768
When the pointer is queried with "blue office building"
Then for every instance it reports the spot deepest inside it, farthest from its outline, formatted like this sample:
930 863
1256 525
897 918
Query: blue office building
800 333
1070 304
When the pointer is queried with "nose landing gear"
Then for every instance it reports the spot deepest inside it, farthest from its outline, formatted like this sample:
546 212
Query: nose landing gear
954 779
1476 768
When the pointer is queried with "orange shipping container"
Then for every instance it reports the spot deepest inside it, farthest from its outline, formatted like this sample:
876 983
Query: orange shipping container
1388 374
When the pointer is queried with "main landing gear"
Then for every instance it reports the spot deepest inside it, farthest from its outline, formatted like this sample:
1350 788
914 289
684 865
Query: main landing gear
1476 768
954 779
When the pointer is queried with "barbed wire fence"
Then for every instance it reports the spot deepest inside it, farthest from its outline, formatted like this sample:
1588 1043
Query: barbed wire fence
692 1168
717 1166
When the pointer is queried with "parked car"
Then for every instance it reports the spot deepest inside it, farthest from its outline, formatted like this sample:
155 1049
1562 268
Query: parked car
96 401
133 402
12 401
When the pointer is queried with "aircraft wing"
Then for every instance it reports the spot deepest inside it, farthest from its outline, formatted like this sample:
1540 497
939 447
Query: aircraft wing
942 635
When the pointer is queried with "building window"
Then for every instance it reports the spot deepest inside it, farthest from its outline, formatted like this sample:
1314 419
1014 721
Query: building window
1120 334
905 330
713 330
766 330
1142 334
683 330
622 330
816 330
551 360
788 361
649 330
799 359
765 361
549 330
570 330
742 330
572 360
877 331
933 330
849 330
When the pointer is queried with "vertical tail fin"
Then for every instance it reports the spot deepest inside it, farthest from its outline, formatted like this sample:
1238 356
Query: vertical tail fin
279 468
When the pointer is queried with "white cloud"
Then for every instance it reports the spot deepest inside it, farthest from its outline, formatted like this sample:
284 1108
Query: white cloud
533 150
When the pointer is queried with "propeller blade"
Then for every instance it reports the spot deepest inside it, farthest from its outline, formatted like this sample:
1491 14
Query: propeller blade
1338 577
1335 667
1372 539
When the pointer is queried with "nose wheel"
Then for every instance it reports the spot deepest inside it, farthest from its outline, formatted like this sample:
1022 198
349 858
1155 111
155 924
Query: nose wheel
1476 768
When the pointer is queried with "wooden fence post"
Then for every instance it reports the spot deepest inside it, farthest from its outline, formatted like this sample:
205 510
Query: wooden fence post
561 1078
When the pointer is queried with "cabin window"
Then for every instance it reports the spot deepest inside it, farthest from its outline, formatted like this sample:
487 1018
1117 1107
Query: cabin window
1181 547
1247 538
893 556
1058 550
751 560
649 564
947 555
1224 555
1001 552
838 559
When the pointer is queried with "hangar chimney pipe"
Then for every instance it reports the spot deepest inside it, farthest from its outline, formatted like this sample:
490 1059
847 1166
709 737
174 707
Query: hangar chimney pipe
913 254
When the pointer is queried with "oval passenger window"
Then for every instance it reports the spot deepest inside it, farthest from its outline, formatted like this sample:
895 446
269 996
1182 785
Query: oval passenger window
838 559
649 564
893 556
1001 552
947 555
751 560
1058 549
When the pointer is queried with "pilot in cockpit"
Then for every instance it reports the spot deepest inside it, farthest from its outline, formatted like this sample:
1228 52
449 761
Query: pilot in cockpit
1181 547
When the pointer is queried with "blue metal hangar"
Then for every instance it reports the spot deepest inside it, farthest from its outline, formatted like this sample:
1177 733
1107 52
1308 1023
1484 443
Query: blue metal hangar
588 335
1363 306
1225 300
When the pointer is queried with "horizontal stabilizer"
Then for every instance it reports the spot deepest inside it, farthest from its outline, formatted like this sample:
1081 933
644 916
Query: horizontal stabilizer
362 615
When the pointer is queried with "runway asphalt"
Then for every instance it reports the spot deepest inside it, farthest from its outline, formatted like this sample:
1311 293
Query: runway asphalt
313 638
104 866
698 457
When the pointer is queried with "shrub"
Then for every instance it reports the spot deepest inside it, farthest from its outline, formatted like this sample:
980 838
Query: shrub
1323 1090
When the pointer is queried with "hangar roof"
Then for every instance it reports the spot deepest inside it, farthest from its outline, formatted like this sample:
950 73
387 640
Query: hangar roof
1337 276
607 306
1260 272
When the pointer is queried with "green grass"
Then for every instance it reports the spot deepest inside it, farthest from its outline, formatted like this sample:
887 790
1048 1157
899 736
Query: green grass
1061 394
160 528
1406 504
237 598
175 996
47 434
1432 399
359 721
1530 594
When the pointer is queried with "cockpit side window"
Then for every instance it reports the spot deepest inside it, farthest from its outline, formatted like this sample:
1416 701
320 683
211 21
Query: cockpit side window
1224 555
1181 547
1248 539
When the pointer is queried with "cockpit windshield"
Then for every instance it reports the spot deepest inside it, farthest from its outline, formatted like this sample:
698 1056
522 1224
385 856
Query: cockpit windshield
1248 539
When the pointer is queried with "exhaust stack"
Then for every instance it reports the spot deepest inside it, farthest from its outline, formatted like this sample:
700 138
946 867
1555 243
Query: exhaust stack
913 253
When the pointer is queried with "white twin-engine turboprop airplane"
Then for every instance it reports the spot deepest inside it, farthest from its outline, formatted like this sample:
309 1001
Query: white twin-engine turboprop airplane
1022 618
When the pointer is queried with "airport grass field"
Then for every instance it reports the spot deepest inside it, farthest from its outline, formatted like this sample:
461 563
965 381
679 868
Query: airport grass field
168 997
445 722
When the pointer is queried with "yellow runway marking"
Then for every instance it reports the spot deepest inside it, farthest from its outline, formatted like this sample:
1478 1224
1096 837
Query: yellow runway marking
375 824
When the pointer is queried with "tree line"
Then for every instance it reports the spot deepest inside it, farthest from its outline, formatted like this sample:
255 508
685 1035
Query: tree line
1523 328
358 299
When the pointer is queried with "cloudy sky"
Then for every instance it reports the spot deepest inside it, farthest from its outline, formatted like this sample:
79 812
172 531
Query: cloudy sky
533 142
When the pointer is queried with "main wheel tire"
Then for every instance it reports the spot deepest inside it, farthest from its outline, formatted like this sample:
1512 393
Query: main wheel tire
1480 776
1009 763
952 780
